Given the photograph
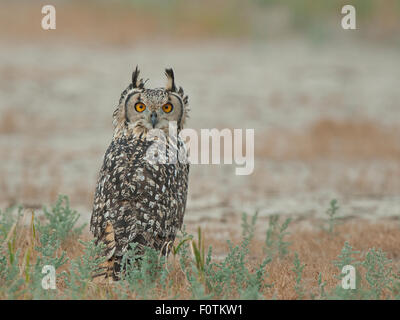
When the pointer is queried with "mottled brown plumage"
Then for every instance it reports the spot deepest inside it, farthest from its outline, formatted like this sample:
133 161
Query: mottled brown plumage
138 199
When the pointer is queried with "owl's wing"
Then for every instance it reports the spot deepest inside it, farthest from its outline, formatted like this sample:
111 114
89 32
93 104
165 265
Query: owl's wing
114 187
184 182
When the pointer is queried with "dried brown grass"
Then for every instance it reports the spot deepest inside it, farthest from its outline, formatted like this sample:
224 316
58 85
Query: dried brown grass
316 249
9 122
332 139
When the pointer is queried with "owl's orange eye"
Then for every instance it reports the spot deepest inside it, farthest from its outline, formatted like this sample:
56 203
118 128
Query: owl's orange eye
140 107
167 108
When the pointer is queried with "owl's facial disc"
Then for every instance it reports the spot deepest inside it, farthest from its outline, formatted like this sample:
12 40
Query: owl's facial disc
153 109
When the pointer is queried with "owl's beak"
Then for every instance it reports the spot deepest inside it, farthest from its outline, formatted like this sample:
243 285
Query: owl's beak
153 118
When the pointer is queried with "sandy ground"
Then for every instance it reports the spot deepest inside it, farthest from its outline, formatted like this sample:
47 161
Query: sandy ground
326 122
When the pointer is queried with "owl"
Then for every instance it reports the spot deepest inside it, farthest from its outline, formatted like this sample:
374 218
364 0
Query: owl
138 198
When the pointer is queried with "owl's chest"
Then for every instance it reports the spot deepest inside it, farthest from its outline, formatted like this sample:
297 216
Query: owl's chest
157 184
139 176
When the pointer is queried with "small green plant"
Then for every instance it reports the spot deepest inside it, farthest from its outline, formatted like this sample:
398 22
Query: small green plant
232 276
82 268
47 251
346 257
143 272
248 229
298 270
61 220
395 288
275 243
333 219
321 286
379 273
197 288
176 250
11 283
198 252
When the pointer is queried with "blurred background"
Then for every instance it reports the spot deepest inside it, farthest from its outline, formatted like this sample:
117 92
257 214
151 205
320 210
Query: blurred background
324 101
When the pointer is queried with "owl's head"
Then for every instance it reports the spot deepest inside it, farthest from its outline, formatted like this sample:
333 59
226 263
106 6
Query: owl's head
141 109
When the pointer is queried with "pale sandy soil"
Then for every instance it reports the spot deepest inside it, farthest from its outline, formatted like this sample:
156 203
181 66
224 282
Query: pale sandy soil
326 122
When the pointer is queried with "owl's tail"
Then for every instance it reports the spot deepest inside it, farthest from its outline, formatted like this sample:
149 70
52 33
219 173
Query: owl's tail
105 271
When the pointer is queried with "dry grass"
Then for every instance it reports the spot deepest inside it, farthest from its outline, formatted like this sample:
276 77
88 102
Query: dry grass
316 249
18 121
331 139
9 122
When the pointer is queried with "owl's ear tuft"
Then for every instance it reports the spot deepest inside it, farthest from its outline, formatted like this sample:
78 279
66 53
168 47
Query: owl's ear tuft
170 80
136 82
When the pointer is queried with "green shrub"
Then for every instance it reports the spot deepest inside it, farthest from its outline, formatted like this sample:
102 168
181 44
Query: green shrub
333 220
275 243
298 270
61 220
82 268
